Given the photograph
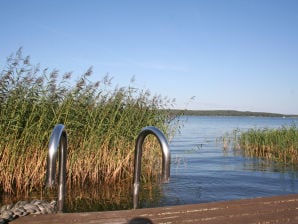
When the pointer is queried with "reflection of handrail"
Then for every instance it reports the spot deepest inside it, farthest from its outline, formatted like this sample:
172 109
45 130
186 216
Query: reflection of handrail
58 139
166 159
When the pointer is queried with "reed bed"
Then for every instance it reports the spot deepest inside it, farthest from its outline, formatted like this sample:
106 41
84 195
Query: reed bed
280 145
102 123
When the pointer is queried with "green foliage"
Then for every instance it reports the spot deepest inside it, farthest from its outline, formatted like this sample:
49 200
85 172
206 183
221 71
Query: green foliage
228 113
275 144
102 123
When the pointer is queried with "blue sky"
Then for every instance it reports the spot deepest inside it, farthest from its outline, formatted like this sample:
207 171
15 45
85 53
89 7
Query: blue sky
232 54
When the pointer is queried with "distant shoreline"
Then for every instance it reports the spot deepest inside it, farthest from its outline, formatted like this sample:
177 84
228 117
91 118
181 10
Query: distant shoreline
229 113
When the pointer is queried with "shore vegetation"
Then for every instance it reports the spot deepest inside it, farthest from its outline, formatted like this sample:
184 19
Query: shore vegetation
279 145
229 113
102 122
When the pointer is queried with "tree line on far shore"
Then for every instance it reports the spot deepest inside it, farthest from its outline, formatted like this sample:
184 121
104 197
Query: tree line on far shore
229 113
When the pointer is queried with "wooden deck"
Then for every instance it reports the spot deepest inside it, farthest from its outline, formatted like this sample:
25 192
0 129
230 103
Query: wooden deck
279 209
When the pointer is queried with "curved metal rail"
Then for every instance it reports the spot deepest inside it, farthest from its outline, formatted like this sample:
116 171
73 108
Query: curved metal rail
58 140
166 159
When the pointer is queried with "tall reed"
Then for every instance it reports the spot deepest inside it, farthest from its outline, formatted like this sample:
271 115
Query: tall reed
102 123
274 144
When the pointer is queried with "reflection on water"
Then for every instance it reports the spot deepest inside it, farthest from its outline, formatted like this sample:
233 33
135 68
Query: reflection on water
115 197
96 197
202 170
99 198
108 198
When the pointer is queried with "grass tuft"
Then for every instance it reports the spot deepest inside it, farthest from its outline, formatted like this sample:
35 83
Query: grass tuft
102 123
280 145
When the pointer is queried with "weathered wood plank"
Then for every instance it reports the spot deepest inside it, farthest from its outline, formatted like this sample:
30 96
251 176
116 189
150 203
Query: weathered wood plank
278 209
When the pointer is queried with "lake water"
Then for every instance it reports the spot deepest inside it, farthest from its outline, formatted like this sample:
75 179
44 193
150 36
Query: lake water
202 171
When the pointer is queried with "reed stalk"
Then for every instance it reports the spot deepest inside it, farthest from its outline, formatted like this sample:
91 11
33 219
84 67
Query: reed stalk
102 123
279 145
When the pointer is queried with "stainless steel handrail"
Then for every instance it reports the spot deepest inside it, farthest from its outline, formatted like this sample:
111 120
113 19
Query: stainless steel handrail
166 159
58 140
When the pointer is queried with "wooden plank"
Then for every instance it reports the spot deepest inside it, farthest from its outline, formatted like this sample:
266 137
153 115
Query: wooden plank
278 209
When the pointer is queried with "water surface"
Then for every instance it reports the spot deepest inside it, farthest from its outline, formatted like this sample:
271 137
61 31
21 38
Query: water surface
201 171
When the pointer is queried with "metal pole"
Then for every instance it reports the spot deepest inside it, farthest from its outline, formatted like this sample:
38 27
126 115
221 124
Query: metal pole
166 159
58 139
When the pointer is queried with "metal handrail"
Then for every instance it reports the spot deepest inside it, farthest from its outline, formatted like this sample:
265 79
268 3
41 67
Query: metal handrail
58 139
166 159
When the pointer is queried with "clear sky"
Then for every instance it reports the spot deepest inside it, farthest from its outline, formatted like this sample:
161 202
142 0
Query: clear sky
229 54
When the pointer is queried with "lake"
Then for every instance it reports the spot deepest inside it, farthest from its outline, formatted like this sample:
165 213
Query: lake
202 171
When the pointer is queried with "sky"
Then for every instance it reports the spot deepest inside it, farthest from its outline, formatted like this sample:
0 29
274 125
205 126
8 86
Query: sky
206 54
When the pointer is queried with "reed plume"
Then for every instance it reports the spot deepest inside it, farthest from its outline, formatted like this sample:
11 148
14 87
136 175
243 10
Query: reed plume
102 123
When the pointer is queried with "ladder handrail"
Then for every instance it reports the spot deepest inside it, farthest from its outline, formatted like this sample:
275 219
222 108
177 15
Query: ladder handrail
166 159
58 139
